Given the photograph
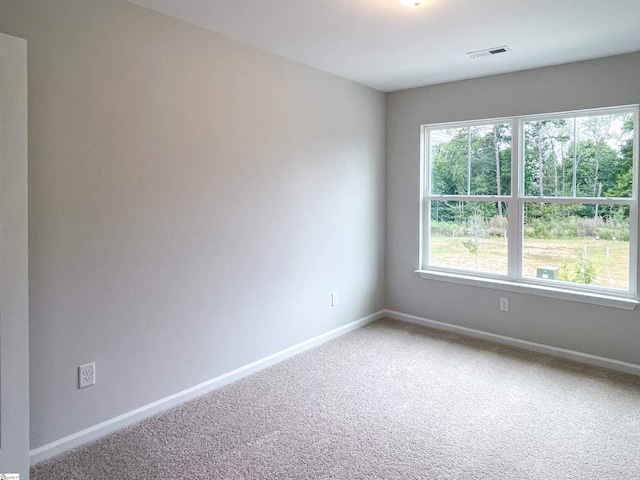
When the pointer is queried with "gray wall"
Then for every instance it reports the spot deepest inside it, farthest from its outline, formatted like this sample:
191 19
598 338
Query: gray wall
14 294
600 331
193 202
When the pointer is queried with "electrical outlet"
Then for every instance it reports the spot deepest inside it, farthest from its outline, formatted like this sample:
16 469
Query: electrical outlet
334 299
86 375
504 304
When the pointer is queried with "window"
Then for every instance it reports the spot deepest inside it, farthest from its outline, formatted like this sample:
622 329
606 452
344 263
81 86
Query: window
545 204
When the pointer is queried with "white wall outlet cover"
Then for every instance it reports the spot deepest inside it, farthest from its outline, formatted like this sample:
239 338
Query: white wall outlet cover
334 299
504 304
86 375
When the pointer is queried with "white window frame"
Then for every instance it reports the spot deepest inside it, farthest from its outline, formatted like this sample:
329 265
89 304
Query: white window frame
514 280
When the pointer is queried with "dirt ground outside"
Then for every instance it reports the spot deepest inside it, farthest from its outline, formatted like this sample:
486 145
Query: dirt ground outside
610 258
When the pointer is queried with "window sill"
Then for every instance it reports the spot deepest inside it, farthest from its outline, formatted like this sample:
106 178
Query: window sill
531 289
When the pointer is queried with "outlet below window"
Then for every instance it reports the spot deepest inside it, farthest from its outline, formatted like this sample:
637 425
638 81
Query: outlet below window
86 375
504 304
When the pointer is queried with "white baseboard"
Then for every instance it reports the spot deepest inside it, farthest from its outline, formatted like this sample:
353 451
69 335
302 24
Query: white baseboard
523 344
100 430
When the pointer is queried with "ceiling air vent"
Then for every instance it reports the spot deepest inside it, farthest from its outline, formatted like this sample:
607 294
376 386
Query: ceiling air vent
489 51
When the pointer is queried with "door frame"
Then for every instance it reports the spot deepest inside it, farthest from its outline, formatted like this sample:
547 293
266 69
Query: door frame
14 286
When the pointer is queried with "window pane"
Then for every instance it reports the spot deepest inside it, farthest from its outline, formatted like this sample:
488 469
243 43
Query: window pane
577 243
588 156
449 161
468 236
471 160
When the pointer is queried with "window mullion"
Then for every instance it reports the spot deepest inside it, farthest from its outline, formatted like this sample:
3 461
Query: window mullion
424 227
633 208
515 212
469 161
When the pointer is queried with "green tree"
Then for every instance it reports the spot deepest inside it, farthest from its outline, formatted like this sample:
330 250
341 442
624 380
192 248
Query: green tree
544 142
477 226
585 270
622 176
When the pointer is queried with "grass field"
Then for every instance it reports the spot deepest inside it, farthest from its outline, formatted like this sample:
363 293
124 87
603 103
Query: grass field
610 258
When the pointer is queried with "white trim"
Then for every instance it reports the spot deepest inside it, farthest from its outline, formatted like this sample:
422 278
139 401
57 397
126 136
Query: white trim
532 199
518 343
514 279
105 428
529 286
633 209
100 430
425 206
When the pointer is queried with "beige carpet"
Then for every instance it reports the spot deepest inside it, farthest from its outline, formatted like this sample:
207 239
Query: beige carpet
389 401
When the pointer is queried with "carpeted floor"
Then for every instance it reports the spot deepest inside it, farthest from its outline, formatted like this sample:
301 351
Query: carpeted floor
388 401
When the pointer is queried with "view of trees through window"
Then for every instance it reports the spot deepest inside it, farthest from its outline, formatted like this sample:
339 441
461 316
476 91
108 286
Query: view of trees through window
575 188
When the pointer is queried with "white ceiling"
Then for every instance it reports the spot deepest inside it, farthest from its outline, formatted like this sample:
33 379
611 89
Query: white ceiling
388 46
